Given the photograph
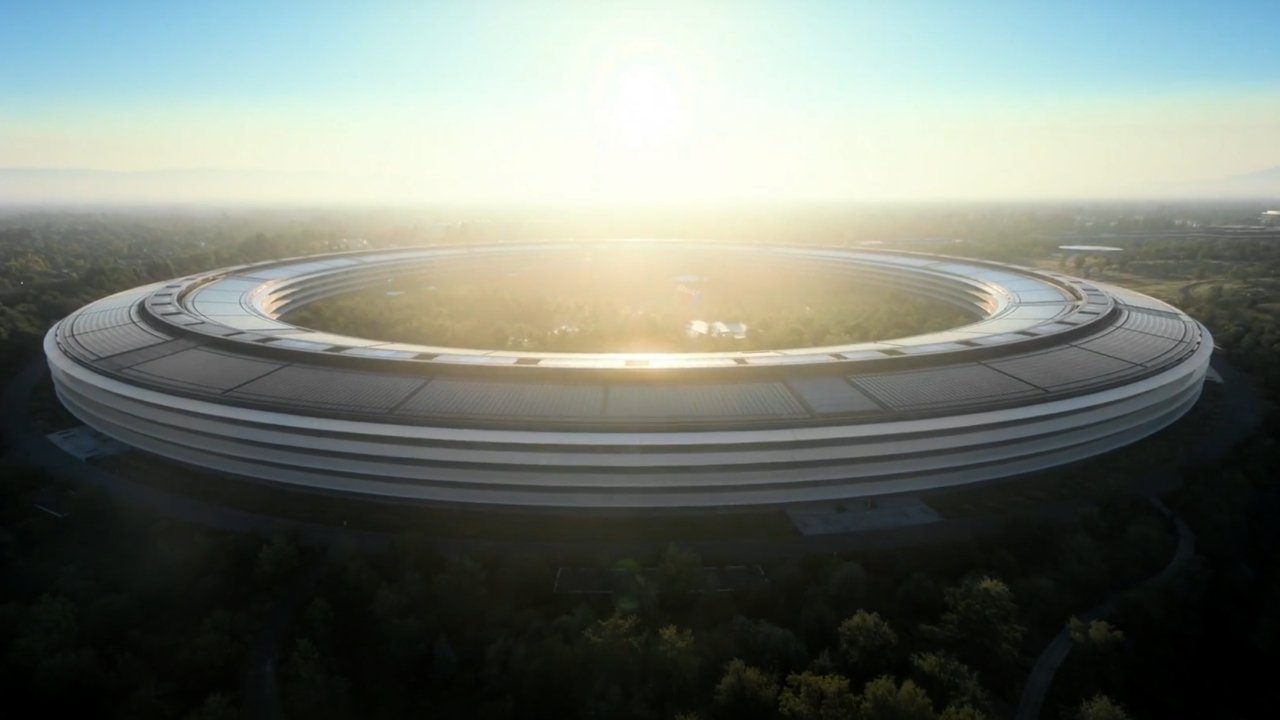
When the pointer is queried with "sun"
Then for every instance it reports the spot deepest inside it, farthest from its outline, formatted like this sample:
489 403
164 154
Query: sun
643 99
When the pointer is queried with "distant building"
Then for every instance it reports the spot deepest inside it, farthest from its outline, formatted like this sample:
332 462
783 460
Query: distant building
1270 218
911 241
1089 249
716 328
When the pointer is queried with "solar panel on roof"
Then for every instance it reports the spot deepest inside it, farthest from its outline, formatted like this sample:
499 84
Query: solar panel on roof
114 340
764 399
133 357
331 388
1061 367
1156 324
945 386
1135 347
831 395
233 284
102 319
211 295
466 397
1048 328
205 369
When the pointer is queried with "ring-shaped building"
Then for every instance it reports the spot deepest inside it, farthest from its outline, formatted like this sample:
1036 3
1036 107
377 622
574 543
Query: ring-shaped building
201 370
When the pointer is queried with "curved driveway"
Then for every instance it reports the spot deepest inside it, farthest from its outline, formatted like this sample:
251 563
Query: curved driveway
1239 416
1041 677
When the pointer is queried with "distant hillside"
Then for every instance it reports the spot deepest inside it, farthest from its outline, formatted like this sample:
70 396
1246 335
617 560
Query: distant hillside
1267 180
1259 184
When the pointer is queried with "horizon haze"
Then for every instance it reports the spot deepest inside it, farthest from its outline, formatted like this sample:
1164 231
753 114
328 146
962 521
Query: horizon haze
618 103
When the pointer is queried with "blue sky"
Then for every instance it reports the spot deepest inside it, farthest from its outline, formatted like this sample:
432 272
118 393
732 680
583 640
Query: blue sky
803 84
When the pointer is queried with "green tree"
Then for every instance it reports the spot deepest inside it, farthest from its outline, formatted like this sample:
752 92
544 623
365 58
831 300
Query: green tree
746 693
679 571
1100 707
634 592
946 679
981 623
883 699
312 688
769 646
1095 633
962 712
866 641
50 628
526 578
809 696
618 631
460 595
677 655
616 645
213 655
846 584
318 620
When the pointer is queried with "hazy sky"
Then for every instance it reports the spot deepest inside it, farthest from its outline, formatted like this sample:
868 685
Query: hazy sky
699 101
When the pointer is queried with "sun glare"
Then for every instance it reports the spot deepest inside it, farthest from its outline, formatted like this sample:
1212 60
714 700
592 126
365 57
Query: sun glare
643 99
644 104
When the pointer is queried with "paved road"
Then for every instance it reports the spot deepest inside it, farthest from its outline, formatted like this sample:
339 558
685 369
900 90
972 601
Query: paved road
1041 678
1240 412
1184 293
